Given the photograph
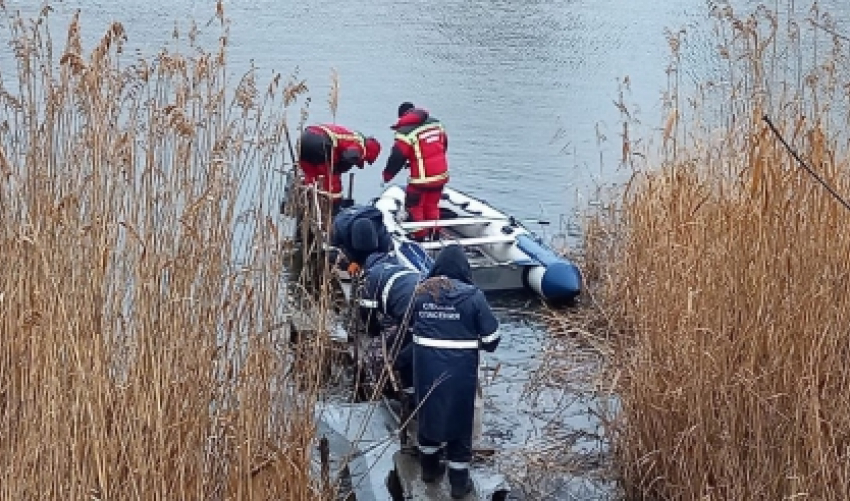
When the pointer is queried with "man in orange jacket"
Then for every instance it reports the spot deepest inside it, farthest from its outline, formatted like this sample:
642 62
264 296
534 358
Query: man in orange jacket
329 151
421 142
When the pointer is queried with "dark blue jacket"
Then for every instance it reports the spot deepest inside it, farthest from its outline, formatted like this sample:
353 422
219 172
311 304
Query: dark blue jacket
387 293
359 231
389 286
452 321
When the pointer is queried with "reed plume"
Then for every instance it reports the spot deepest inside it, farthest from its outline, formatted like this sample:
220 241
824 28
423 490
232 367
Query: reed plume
724 269
143 290
333 96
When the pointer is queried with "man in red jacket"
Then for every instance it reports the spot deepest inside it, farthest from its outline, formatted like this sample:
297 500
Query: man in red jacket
420 142
329 151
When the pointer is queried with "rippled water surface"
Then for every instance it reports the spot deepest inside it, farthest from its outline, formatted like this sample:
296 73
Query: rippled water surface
524 87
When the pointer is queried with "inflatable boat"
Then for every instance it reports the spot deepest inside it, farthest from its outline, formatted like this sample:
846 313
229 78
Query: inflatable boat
504 254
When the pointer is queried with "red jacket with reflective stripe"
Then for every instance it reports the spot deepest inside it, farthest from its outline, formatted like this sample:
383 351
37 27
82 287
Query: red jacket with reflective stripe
349 147
420 141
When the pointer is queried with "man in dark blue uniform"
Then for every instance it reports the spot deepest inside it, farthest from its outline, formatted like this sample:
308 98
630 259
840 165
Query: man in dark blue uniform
388 289
359 231
452 321
385 305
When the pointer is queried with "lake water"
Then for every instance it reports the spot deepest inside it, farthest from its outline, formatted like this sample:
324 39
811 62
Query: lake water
524 87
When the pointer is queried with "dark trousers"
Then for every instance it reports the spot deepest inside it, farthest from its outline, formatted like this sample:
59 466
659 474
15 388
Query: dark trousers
316 162
403 362
316 147
458 452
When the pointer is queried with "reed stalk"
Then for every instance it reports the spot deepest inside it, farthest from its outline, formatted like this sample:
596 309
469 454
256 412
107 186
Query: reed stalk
723 267
142 283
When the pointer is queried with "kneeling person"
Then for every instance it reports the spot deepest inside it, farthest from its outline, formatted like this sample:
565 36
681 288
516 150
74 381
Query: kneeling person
359 232
388 292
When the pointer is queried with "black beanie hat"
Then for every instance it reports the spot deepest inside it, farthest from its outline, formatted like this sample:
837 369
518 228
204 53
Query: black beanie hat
364 238
404 108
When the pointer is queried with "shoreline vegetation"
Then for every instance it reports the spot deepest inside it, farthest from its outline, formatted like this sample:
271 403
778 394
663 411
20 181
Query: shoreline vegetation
719 274
143 283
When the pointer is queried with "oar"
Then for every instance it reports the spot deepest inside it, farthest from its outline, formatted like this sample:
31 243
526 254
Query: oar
411 226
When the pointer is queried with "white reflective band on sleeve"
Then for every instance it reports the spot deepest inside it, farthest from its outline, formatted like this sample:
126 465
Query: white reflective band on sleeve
385 294
429 449
492 337
457 465
368 303
451 344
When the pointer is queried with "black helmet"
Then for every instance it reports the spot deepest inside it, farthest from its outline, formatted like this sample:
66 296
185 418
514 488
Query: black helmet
404 108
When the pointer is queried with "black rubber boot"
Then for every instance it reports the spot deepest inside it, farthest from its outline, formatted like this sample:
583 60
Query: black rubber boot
460 482
432 468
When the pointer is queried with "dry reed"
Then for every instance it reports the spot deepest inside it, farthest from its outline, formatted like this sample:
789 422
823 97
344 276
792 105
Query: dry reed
725 270
568 392
333 94
141 280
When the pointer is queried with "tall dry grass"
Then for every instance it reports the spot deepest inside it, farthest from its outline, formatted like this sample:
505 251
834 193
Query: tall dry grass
725 267
141 283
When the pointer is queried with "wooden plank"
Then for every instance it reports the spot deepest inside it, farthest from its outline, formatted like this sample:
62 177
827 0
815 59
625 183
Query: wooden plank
445 223
468 242
410 478
306 322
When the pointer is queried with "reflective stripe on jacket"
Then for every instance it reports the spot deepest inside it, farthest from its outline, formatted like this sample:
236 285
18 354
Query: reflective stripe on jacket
451 322
427 158
342 137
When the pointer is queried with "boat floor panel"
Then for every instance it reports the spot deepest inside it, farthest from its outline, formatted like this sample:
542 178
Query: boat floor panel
477 257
